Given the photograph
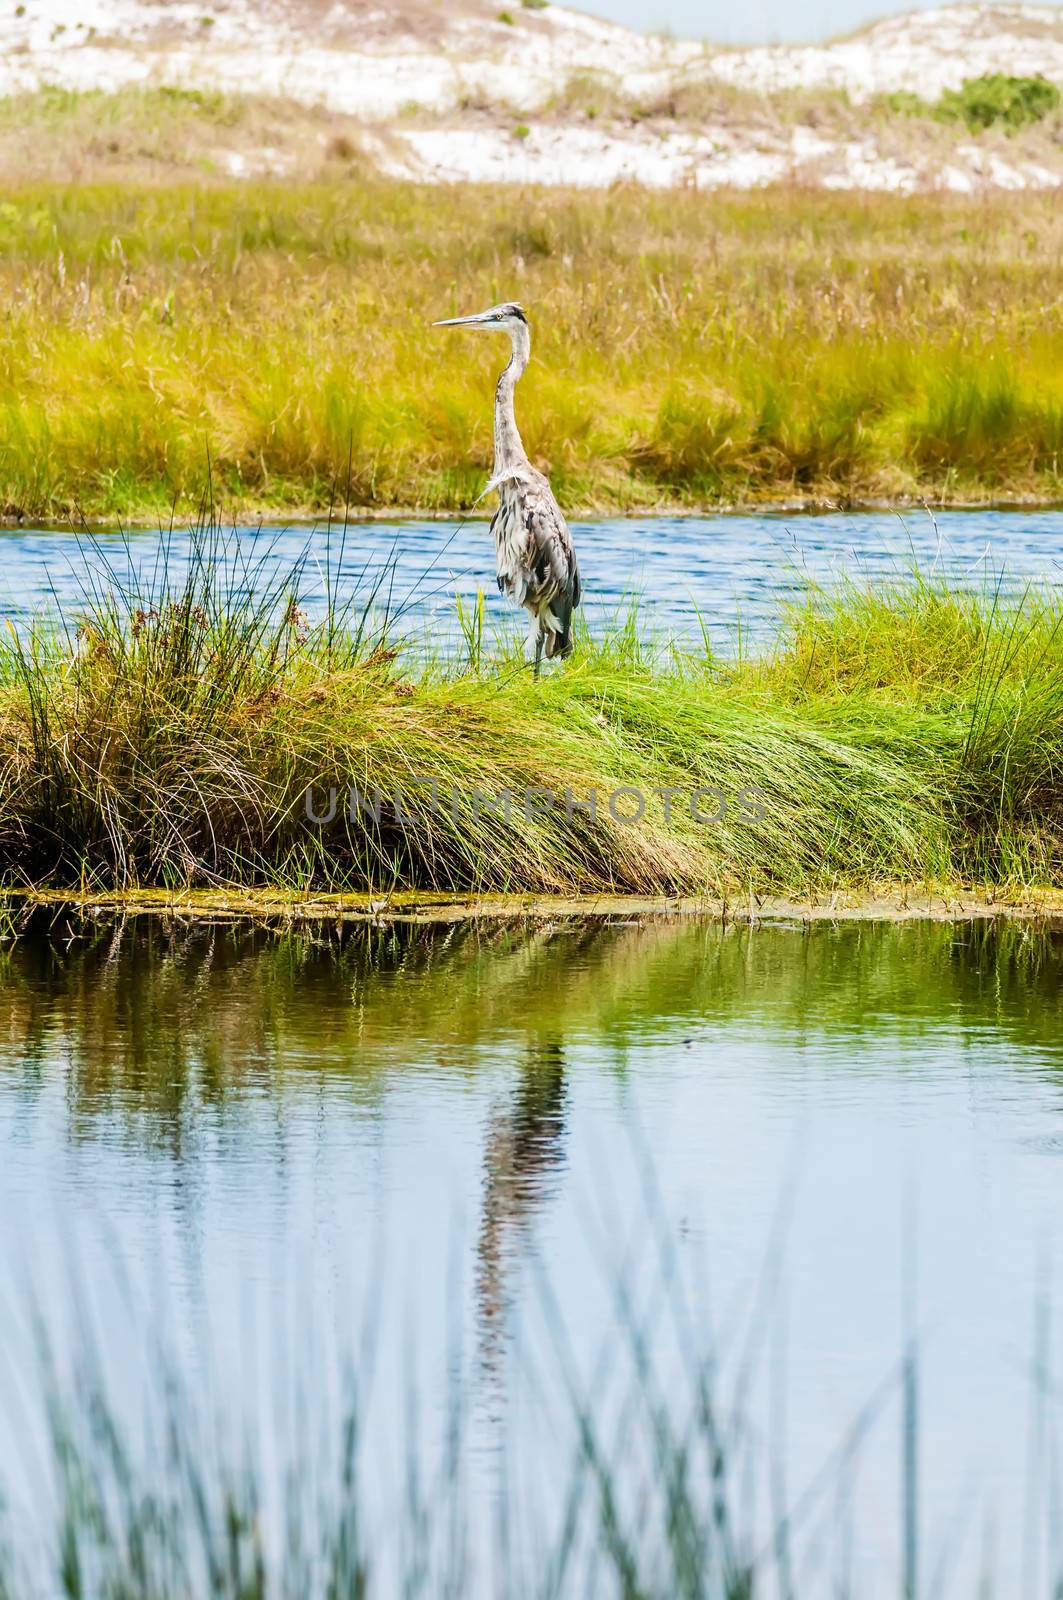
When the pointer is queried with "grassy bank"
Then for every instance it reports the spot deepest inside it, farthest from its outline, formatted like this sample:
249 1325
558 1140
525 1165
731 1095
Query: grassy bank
907 735
689 349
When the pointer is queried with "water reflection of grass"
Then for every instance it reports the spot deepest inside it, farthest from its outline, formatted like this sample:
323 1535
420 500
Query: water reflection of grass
905 734
668 1491
160 1023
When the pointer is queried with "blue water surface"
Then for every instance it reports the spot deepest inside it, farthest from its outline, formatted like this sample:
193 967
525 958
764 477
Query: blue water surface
731 575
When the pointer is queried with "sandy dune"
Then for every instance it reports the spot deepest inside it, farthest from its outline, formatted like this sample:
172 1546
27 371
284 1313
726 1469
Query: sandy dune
439 88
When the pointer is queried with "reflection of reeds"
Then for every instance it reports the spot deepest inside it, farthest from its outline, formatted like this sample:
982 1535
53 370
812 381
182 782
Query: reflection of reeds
154 1021
688 348
169 735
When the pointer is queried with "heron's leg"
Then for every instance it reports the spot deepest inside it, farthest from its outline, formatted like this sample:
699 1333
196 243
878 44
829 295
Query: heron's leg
538 652
532 640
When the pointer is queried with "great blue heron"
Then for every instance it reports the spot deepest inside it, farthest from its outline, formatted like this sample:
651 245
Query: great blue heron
535 559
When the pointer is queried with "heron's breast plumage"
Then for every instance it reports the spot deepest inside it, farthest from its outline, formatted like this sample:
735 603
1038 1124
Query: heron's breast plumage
511 547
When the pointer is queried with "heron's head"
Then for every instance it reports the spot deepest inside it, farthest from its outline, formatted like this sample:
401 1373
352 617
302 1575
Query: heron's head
506 318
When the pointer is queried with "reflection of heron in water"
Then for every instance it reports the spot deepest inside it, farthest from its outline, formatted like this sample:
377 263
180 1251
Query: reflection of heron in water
524 1149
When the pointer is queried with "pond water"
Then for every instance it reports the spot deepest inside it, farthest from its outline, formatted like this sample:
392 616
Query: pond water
824 1141
728 573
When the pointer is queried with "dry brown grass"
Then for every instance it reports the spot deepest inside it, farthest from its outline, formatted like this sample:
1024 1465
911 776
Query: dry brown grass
163 135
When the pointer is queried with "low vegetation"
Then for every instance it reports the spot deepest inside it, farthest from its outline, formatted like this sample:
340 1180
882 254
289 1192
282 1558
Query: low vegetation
909 735
996 98
162 133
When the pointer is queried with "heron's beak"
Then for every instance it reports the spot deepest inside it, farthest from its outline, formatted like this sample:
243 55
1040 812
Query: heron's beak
482 318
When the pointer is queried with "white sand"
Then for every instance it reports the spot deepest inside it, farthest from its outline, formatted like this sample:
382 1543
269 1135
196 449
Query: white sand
375 62
923 51
732 158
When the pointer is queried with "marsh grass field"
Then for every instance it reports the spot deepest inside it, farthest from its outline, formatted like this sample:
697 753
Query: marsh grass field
690 350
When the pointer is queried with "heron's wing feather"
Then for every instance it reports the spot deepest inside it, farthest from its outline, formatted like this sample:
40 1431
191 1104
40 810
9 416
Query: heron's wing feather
551 556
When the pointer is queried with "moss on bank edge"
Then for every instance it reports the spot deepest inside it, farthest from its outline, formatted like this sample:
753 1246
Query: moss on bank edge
281 909
904 735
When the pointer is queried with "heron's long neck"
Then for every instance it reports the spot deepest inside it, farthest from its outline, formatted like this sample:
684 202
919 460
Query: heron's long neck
509 451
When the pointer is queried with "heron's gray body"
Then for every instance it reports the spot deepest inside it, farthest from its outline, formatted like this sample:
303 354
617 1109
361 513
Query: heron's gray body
535 560
534 556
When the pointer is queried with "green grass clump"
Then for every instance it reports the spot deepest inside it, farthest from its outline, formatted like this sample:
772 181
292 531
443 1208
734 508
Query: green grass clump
998 97
908 735
995 98
687 349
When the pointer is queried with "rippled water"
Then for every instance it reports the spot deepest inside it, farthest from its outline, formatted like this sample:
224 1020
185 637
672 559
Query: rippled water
732 572
257 1142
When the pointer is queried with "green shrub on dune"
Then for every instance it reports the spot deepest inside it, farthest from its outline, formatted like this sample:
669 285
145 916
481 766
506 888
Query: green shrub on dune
999 98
